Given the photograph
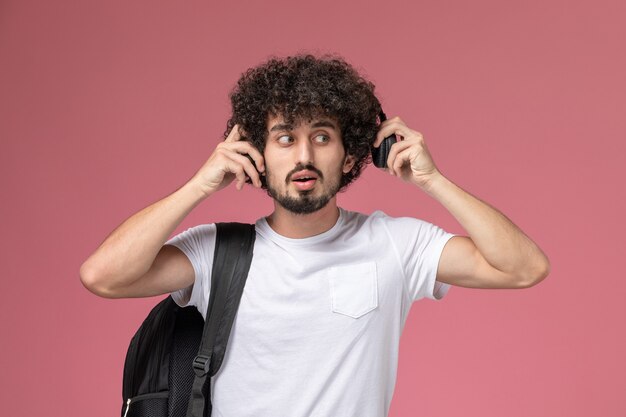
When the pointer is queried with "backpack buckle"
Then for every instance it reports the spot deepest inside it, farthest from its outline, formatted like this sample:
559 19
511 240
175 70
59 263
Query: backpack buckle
201 365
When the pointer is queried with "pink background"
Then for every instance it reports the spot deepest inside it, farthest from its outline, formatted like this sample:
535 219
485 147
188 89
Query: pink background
106 107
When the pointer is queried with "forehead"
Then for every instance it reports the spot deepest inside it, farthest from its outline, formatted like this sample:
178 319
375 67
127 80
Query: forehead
277 123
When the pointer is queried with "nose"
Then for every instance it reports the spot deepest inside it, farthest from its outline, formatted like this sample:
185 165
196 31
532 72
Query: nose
304 152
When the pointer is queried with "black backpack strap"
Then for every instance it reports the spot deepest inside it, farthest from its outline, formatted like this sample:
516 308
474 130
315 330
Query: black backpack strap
231 263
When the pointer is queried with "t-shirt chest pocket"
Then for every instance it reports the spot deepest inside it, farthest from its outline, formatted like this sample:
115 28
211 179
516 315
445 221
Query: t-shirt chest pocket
353 289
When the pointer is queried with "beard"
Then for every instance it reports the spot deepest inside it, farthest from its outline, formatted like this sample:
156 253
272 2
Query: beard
305 202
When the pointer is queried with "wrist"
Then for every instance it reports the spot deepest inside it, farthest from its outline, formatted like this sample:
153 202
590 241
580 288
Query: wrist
433 183
196 191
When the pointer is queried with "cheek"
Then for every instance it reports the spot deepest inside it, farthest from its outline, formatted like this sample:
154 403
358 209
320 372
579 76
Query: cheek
272 158
272 172
276 163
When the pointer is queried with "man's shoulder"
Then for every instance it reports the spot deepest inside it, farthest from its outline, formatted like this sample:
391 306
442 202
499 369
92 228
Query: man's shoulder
193 233
359 220
357 216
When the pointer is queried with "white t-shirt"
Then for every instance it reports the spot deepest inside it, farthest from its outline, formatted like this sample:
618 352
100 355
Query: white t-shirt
319 323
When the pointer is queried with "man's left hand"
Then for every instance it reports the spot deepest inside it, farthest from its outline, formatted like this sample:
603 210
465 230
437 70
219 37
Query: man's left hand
409 157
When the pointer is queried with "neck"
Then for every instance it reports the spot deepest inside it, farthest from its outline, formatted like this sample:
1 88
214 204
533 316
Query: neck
299 226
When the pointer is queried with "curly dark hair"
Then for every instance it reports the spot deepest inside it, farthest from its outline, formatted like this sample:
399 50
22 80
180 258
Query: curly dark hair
304 87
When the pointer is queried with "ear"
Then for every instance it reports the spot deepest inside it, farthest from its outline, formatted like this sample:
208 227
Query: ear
348 163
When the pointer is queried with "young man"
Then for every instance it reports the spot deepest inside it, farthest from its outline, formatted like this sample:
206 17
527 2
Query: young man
328 292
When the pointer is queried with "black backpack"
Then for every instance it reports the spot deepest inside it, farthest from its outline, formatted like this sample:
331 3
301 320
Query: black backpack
175 352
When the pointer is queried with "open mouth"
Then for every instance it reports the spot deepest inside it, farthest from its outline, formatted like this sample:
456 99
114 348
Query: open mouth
304 180
304 175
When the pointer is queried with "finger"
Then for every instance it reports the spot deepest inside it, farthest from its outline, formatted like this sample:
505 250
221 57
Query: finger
396 148
234 167
234 134
389 127
402 158
247 167
245 147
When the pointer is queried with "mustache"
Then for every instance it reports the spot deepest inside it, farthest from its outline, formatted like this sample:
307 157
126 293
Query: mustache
302 167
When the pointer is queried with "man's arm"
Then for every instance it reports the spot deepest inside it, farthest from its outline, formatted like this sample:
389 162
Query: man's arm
497 254
133 260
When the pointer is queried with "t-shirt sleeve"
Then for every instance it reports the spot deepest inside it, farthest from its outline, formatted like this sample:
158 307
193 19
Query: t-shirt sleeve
419 245
198 244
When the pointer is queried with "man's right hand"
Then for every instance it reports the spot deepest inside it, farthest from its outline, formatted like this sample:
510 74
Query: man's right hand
133 260
229 162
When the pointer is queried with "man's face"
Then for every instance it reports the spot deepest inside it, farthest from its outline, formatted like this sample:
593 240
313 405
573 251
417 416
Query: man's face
304 163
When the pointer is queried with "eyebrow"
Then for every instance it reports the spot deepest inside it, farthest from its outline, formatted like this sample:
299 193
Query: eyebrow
321 123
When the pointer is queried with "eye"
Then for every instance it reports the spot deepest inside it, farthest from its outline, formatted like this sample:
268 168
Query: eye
322 138
284 139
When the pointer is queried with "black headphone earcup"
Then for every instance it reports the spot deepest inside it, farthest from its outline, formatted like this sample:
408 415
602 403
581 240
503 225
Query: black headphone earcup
380 154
